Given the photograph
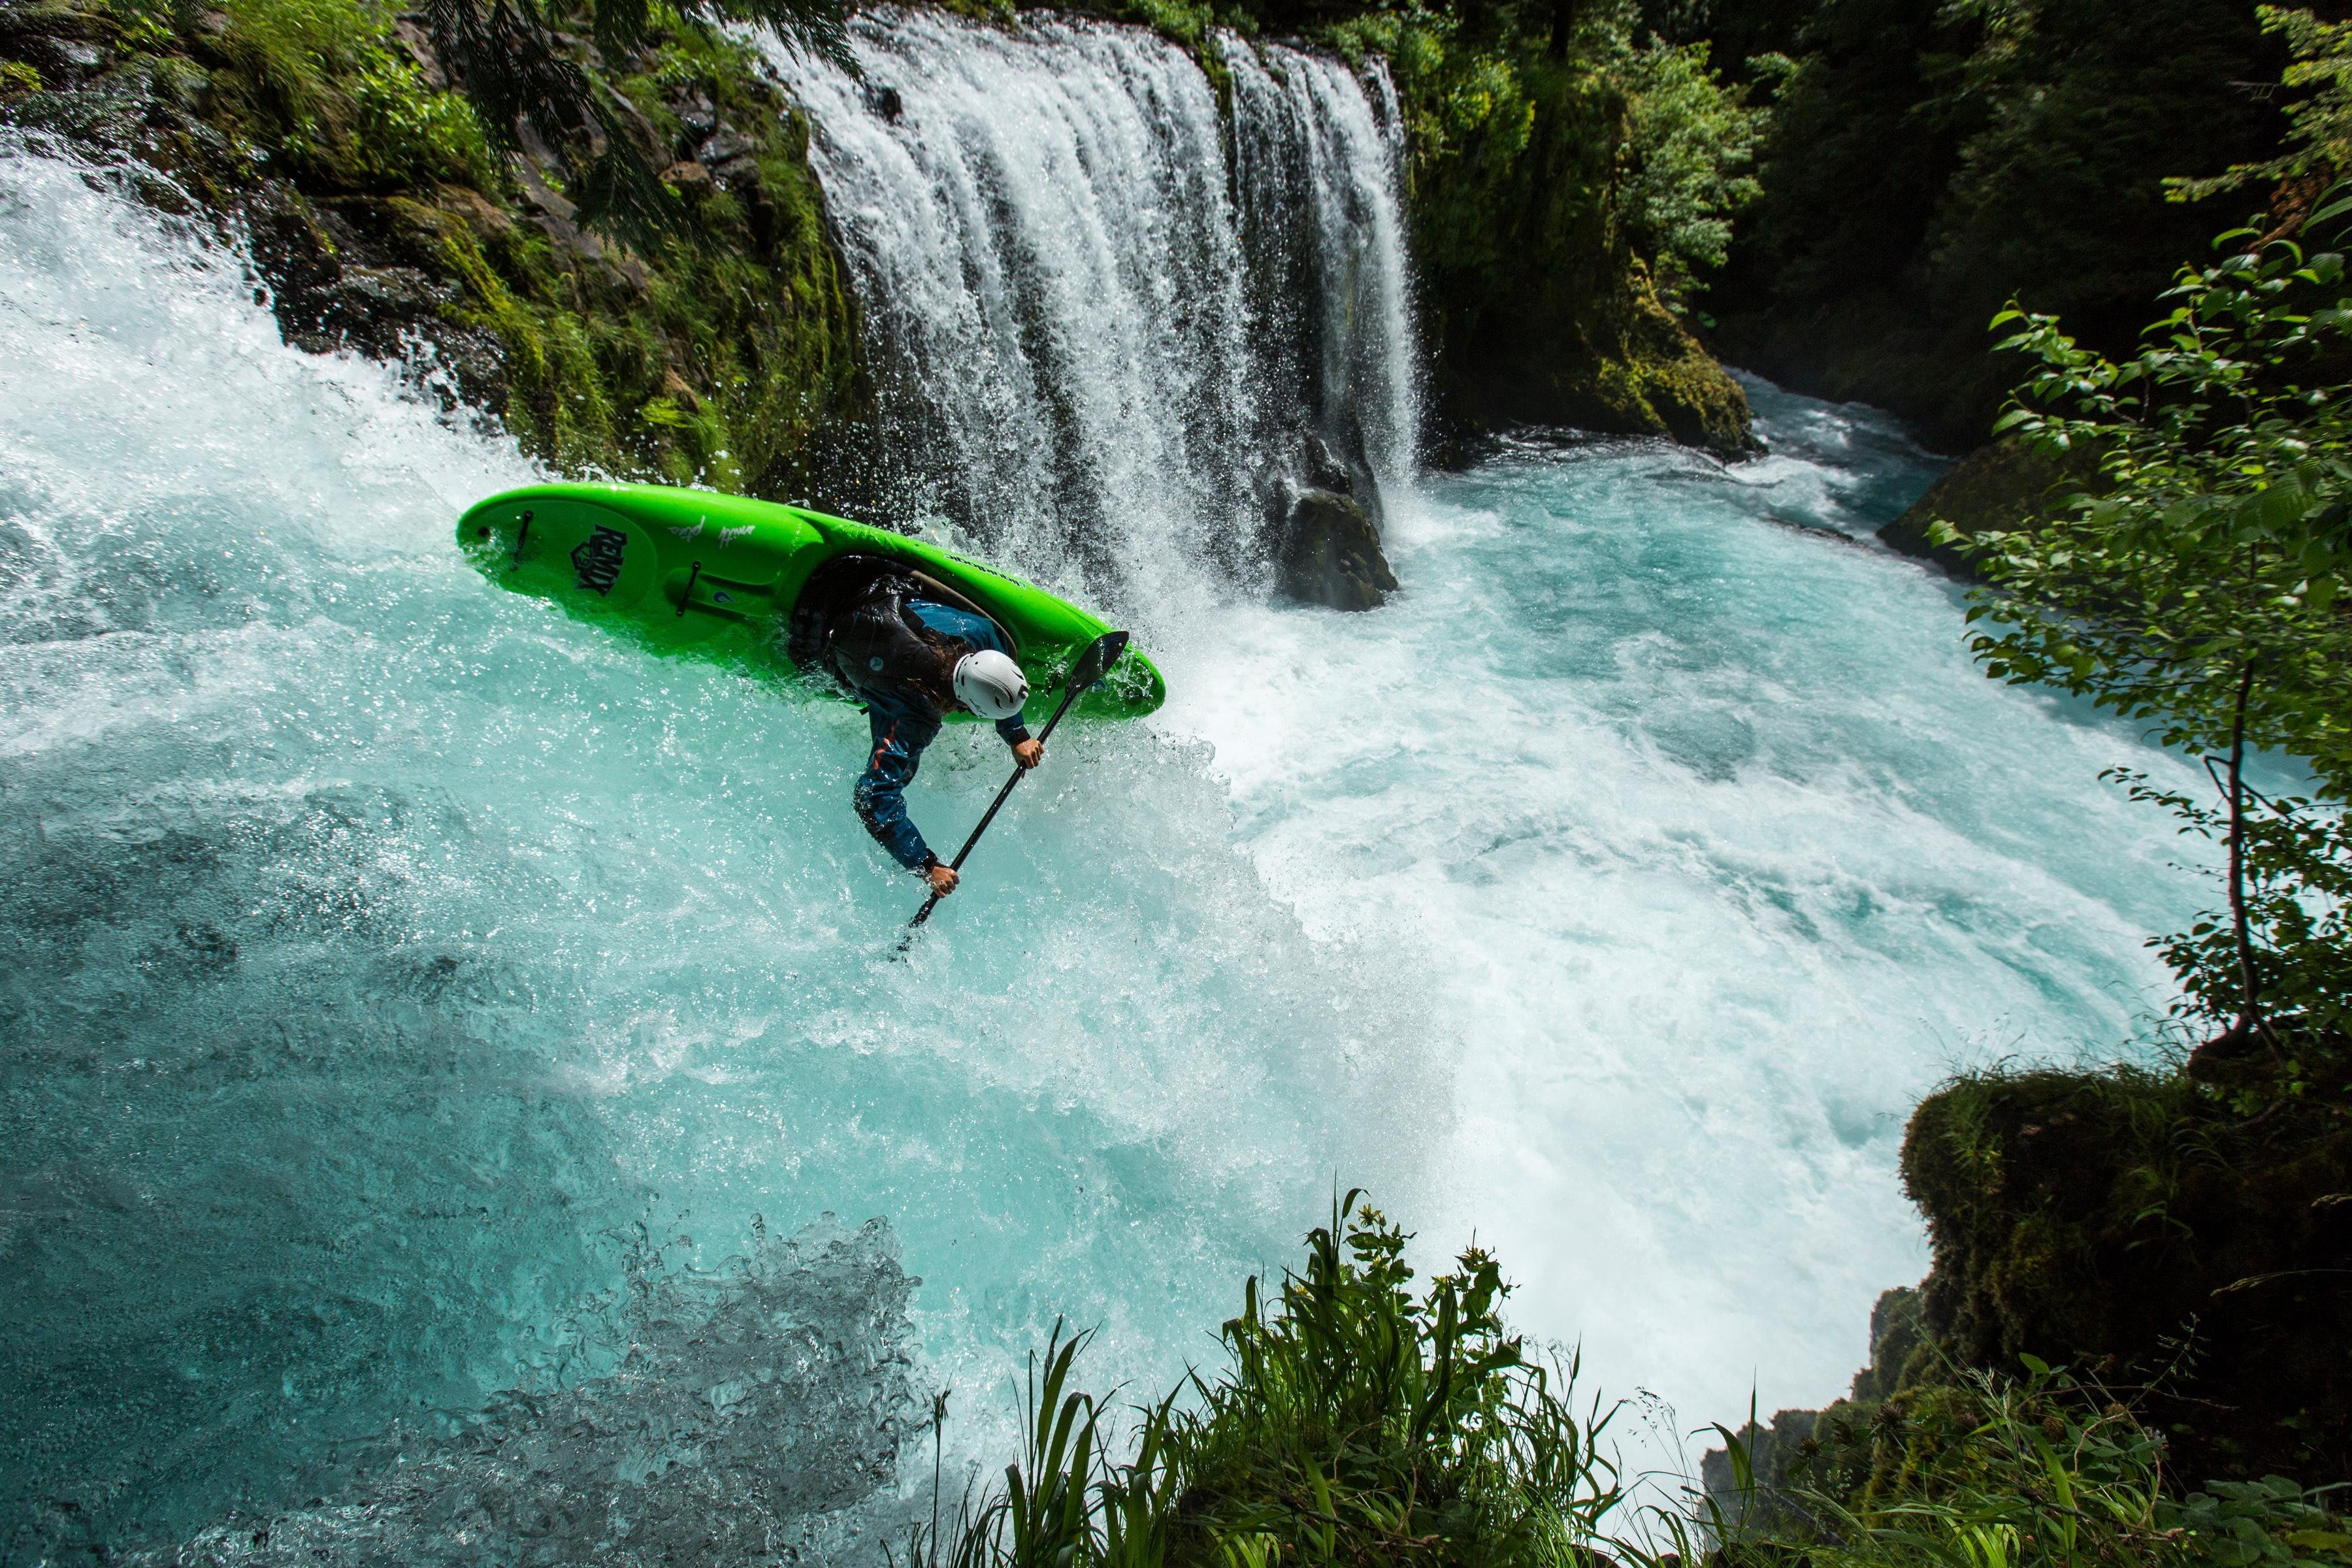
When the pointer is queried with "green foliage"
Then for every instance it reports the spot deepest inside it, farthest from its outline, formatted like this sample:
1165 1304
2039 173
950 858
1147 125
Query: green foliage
328 86
1929 162
405 133
1359 1422
2200 592
2042 1471
1490 99
1568 191
1689 143
2319 127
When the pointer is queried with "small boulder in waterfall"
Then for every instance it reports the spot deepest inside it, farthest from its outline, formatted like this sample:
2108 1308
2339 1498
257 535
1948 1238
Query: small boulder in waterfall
1329 553
1324 471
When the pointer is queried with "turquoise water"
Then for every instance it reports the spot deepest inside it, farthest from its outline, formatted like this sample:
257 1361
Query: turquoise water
416 1005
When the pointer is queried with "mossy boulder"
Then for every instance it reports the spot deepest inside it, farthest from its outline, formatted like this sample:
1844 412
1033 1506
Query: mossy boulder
2005 485
1612 359
2189 1233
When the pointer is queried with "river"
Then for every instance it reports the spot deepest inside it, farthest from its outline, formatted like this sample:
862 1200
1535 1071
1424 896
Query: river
416 1005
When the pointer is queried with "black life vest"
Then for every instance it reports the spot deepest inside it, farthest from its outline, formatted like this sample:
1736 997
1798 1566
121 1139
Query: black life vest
875 643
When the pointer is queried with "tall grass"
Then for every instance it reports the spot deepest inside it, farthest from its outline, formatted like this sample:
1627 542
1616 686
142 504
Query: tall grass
1359 1422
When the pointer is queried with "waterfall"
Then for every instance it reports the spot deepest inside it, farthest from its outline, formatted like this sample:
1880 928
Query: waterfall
1115 326
1315 172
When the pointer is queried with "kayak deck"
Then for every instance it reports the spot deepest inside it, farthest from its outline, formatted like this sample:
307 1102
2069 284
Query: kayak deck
713 576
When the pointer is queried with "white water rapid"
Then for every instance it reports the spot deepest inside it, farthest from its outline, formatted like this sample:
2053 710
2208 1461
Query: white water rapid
433 1035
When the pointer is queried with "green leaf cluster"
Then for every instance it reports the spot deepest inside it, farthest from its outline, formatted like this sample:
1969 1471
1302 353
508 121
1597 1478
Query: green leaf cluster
1691 145
2202 591
329 87
1639 141
2319 125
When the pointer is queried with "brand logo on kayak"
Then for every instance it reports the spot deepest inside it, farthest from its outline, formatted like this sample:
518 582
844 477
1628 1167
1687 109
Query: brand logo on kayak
597 558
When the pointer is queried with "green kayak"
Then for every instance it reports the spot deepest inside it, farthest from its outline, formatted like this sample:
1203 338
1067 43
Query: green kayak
749 583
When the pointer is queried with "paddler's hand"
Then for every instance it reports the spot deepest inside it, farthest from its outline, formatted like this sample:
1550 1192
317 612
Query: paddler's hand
941 878
1029 752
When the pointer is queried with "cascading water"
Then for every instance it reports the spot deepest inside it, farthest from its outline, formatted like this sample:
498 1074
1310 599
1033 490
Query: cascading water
433 1034
1105 347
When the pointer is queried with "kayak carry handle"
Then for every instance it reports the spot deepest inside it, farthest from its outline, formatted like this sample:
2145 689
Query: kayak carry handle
521 534
687 598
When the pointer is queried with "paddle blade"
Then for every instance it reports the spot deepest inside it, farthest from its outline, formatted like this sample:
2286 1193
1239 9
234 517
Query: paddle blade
1096 662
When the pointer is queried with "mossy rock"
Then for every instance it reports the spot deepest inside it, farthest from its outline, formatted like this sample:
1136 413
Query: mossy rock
2003 486
2145 1226
730 356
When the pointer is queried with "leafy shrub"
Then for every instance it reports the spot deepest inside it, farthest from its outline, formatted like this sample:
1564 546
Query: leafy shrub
406 132
1356 1423
2046 1471
1690 144
2200 591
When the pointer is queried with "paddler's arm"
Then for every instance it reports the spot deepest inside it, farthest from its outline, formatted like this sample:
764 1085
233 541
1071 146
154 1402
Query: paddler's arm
881 792
1025 751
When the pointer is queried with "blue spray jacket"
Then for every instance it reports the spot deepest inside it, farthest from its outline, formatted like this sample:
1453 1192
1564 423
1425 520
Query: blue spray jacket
903 723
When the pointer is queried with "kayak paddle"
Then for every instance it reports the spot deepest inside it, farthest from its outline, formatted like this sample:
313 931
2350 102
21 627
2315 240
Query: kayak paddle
1091 665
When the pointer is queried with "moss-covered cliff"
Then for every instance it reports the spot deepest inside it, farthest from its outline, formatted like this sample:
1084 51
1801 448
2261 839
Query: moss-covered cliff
381 220
2190 1229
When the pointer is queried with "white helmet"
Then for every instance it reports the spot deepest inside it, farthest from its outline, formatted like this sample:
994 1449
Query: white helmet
991 685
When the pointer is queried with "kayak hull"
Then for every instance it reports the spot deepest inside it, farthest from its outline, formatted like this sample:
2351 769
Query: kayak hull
712 576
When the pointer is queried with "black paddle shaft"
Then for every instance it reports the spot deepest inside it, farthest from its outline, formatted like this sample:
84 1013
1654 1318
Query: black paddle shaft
1091 665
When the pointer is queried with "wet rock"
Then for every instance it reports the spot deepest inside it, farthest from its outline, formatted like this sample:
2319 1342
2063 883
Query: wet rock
723 147
336 284
1329 553
886 103
412 37
696 115
2004 486
1324 472
60 44
687 176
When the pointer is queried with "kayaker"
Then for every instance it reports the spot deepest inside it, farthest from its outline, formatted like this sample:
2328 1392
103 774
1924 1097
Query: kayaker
911 660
